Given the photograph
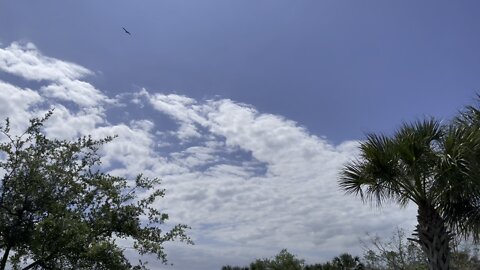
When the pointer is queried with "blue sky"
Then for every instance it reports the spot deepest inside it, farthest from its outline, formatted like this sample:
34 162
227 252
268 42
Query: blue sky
246 109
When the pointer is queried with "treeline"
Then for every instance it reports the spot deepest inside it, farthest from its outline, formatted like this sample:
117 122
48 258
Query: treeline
395 253
287 261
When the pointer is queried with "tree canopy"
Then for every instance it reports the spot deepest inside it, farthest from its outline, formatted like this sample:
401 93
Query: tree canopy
431 164
285 260
59 211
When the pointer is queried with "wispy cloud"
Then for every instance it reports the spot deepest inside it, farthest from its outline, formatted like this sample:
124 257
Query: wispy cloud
248 183
16 104
26 60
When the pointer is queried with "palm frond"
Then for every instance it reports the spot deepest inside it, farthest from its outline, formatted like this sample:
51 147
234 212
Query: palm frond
458 180
425 162
394 168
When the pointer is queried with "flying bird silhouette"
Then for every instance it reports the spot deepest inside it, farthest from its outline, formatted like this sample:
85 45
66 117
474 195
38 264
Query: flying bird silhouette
126 31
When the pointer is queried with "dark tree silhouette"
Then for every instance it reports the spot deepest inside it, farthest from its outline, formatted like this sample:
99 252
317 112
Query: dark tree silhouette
432 165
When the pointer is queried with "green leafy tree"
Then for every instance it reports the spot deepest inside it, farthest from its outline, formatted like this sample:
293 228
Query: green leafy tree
436 167
345 261
396 253
228 267
465 259
287 261
58 211
282 261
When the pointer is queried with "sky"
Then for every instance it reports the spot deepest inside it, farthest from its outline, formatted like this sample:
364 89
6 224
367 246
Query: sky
246 110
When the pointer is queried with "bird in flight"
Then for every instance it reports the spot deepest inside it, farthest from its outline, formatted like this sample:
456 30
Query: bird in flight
126 31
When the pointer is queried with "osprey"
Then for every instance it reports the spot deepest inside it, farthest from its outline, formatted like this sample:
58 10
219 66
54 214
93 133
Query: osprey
126 31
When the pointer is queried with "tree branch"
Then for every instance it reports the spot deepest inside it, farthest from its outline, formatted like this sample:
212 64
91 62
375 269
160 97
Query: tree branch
39 262
5 258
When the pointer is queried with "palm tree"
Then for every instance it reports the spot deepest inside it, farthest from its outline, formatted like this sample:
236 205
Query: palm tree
432 165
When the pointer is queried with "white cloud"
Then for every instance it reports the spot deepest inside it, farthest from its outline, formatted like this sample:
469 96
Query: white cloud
294 203
248 183
15 103
65 123
181 108
27 61
81 93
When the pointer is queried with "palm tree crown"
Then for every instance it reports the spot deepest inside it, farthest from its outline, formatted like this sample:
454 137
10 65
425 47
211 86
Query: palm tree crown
432 165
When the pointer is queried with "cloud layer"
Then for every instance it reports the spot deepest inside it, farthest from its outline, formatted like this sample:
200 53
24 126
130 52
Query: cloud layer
248 183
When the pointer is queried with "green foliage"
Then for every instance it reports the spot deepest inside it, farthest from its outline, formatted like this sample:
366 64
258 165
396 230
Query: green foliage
395 253
228 267
431 164
58 211
282 261
398 253
287 261
465 255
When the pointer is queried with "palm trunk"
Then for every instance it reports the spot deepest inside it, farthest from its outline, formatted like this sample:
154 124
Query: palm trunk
433 237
